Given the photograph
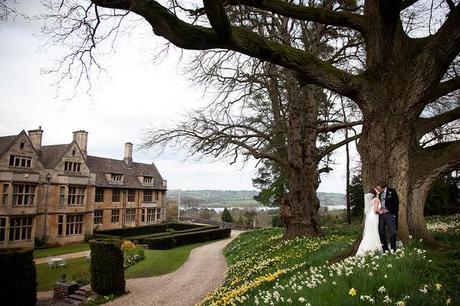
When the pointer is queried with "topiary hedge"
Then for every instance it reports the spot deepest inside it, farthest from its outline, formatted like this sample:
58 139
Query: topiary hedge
17 278
168 242
107 271
145 230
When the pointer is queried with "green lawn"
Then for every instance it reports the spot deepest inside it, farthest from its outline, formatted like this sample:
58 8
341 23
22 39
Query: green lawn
156 262
61 250
46 277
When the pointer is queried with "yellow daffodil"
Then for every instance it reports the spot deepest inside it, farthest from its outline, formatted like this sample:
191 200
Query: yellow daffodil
438 286
352 292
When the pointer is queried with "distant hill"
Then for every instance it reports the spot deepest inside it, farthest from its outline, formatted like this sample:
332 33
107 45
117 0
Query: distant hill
238 198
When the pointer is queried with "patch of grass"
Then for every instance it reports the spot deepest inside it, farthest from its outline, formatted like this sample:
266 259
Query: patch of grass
158 262
73 248
46 277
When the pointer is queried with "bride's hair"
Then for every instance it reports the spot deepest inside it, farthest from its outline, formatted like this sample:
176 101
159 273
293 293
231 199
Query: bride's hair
372 190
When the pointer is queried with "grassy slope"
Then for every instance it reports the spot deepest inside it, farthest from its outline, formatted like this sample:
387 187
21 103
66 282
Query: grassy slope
61 250
156 262
266 270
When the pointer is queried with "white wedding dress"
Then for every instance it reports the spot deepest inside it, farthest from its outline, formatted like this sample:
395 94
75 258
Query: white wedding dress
371 239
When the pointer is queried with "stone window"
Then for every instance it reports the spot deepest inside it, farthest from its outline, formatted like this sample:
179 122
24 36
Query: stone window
2 229
60 225
142 215
5 190
62 195
20 161
130 215
151 215
148 179
131 195
148 196
115 216
74 225
76 195
115 195
157 196
99 195
21 145
158 213
72 166
98 216
21 228
23 195
116 177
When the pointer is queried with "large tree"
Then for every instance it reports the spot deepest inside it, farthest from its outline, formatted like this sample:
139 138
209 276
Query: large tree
402 74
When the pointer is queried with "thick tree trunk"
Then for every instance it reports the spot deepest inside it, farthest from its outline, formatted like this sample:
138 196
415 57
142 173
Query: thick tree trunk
415 217
302 169
385 148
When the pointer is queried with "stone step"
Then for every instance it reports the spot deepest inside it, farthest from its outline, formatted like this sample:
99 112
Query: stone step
83 292
77 297
70 301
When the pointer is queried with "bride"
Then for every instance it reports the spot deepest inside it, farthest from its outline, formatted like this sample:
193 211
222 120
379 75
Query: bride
371 239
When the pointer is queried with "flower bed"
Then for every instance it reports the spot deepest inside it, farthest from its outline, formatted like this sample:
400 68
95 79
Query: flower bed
266 270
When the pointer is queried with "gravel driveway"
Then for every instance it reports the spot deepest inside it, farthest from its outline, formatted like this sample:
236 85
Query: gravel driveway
202 272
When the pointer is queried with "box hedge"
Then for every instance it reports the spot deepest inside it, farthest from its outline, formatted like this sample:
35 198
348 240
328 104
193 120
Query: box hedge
107 271
18 278
144 230
168 242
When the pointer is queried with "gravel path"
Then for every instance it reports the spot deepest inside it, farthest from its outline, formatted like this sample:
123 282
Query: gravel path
202 272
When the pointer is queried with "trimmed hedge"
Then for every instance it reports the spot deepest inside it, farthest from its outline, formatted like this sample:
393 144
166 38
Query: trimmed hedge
18 278
107 270
144 230
168 242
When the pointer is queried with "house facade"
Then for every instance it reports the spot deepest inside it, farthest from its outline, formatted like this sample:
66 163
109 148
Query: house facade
61 193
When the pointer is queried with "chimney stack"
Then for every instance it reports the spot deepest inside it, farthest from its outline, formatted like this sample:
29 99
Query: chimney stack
35 137
81 138
128 153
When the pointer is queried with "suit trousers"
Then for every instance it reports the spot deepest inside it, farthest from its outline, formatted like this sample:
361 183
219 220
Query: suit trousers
387 220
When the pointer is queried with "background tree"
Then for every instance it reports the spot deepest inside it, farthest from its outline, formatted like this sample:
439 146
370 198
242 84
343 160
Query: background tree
357 195
226 216
444 196
402 73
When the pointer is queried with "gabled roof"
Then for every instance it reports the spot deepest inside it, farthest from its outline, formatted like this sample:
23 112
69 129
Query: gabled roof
51 155
6 142
102 166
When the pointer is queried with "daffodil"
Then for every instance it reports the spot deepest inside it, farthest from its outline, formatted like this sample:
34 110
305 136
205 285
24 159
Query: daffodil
438 286
352 292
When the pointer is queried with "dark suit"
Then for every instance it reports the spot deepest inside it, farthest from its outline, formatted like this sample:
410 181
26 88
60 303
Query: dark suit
389 220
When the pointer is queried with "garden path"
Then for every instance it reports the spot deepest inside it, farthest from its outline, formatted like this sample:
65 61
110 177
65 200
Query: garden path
202 272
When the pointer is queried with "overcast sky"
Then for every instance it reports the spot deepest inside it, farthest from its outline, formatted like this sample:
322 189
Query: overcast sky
135 93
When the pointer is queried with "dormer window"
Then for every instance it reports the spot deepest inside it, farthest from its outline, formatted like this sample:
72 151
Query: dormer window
116 177
72 166
21 145
148 179
73 152
20 161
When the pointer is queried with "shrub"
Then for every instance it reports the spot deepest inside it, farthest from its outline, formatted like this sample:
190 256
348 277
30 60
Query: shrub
276 221
107 271
132 253
226 216
18 278
187 238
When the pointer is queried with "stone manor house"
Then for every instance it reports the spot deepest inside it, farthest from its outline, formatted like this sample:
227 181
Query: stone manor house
61 193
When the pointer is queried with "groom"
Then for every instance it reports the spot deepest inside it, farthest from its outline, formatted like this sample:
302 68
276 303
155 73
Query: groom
388 215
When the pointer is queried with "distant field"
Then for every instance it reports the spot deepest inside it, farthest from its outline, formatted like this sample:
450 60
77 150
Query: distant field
232 203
